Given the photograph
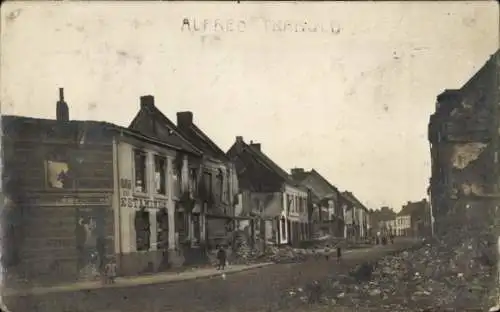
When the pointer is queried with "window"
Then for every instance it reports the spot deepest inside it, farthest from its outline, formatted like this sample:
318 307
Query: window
219 185
140 171
193 180
283 228
58 175
289 202
207 182
160 175
176 177
142 230
162 229
227 188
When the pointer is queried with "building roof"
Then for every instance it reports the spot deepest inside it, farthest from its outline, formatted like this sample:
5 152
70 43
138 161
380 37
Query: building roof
412 207
300 176
150 118
258 158
350 196
199 139
16 126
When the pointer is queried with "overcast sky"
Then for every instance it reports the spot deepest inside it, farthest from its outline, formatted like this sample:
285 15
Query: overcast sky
351 100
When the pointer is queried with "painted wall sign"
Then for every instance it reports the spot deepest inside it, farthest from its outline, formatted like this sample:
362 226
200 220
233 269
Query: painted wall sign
136 202
71 200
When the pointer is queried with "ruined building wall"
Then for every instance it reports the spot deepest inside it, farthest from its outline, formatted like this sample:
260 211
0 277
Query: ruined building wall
464 186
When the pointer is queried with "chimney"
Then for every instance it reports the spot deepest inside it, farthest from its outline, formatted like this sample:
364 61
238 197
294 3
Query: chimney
239 139
297 171
147 101
184 119
62 109
255 145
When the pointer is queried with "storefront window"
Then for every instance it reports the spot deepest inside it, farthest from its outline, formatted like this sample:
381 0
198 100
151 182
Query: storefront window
142 230
140 171
160 175
162 227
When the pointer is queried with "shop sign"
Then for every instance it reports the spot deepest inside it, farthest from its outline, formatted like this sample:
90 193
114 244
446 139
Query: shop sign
137 203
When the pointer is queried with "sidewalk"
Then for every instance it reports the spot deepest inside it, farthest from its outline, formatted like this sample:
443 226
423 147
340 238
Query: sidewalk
134 280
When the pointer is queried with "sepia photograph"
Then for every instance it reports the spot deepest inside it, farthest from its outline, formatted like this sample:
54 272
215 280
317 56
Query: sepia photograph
250 156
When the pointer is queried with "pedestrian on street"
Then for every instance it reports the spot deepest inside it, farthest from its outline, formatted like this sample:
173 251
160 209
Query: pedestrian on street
327 252
339 254
221 256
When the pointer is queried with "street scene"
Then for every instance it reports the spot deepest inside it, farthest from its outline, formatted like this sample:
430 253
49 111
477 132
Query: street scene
238 177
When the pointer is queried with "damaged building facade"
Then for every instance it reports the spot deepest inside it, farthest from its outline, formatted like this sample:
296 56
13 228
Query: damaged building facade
278 203
464 139
204 213
326 212
81 193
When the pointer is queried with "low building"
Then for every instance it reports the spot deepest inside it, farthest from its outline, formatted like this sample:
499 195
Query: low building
360 216
211 181
220 184
282 211
403 225
327 215
378 216
419 218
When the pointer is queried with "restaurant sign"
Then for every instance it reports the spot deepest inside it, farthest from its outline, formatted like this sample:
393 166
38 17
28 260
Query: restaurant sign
137 202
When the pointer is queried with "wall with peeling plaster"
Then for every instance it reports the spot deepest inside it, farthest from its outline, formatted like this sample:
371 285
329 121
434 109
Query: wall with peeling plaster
463 135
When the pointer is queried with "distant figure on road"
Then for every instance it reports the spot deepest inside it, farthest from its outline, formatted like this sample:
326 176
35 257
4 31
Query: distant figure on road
339 254
327 252
221 256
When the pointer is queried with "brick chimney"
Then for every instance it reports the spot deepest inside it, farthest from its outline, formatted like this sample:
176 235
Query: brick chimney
147 101
184 119
255 145
238 145
62 109
297 172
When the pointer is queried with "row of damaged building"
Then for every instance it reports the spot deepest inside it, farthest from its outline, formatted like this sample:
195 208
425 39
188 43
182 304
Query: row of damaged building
150 197
413 220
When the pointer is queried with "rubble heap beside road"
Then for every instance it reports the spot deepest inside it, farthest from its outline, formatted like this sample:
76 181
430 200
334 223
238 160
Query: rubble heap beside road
456 272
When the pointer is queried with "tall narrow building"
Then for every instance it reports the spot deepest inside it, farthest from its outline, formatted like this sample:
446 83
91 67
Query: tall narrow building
464 144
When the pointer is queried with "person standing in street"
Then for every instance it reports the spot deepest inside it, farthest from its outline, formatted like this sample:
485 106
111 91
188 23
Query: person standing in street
339 254
221 256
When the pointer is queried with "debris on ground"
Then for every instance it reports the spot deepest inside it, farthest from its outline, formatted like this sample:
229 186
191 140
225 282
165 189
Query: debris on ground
434 277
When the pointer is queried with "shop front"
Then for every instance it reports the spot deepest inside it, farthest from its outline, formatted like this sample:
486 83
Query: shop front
146 189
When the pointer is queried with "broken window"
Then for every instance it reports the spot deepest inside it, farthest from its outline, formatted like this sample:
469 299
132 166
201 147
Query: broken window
283 228
193 180
176 177
58 169
58 175
219 180
160 175
140 171
142 230
207 183
162 229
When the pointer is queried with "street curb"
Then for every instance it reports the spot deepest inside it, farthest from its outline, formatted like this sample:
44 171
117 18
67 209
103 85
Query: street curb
43 291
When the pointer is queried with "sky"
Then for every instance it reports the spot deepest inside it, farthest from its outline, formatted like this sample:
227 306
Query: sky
351 100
